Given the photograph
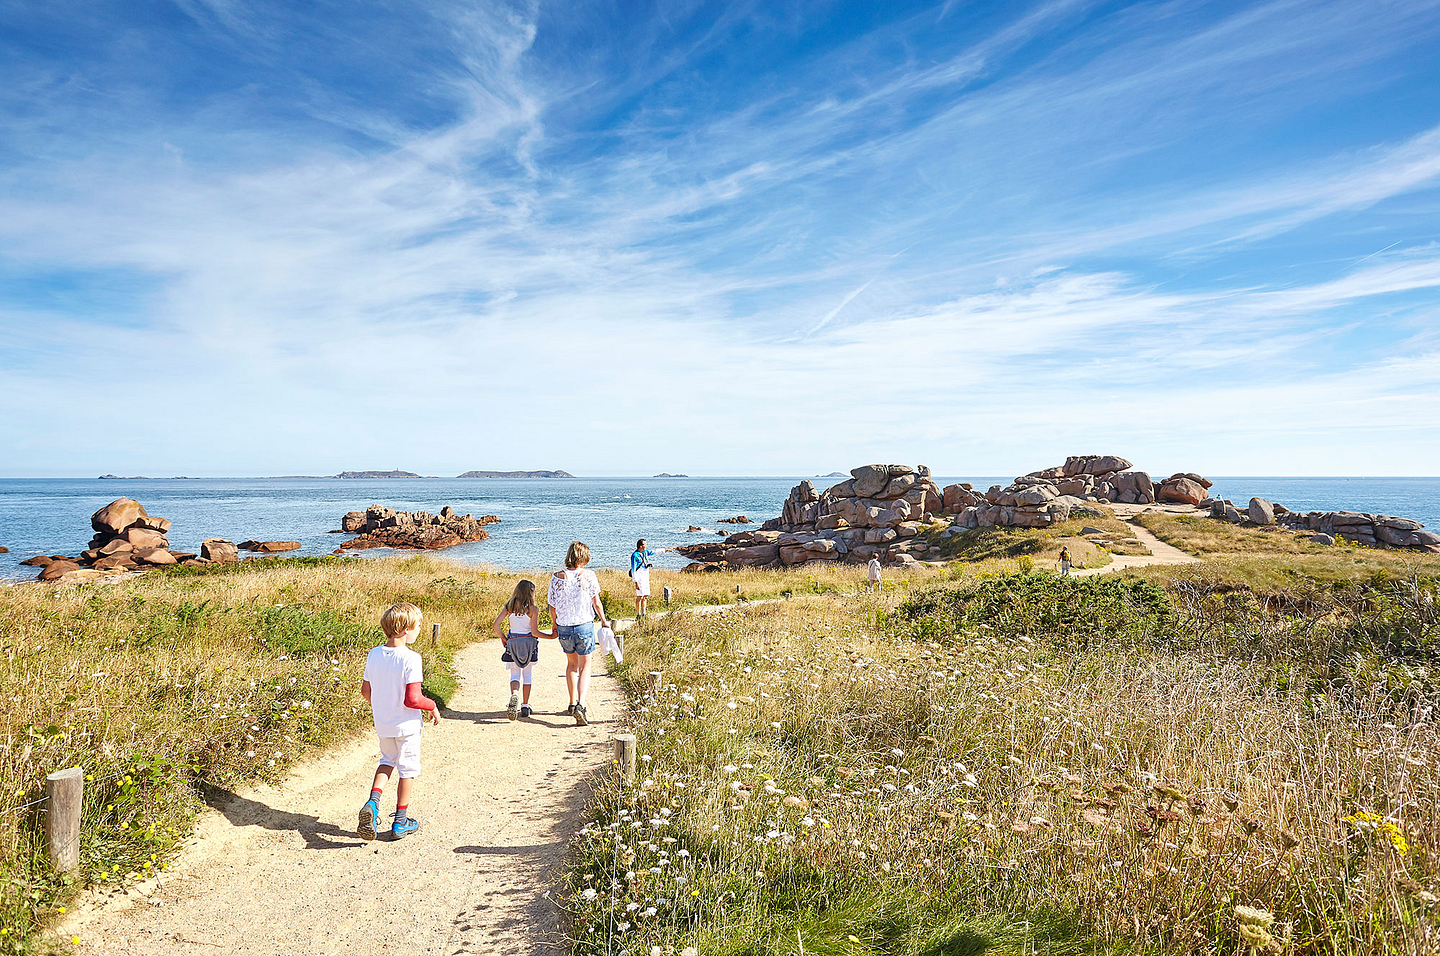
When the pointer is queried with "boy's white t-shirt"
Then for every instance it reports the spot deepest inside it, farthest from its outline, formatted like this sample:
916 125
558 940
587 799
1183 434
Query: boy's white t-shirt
389 669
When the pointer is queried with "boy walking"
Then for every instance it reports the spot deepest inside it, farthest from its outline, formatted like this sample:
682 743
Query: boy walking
393 674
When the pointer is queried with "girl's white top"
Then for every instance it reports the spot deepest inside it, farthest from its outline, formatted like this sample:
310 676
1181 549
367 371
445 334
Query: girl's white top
519 625
571 594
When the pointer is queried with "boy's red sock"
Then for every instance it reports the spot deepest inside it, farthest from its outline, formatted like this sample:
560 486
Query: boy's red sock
400 814
375 793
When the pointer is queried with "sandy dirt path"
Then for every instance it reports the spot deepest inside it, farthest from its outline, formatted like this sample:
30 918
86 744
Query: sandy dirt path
1160 553
279 870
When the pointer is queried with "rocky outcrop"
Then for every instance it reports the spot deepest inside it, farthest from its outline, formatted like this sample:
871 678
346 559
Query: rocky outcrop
1328 527
883 510
127 538
219 550
738 519
381 527
269 547
1184 489
878 510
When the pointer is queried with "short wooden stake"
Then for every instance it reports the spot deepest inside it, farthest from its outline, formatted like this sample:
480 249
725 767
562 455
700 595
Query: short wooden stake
625 757
66 790
668 595
434 635
653 681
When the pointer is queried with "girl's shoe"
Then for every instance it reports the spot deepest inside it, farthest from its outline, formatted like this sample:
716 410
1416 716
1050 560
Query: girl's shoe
513 709
581 718
366 827
570 711
525 710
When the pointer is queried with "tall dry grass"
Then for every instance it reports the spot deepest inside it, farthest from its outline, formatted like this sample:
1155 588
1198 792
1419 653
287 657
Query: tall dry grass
838 777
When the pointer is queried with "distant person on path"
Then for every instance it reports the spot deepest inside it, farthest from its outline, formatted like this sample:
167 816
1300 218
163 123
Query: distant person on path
393 675
520 637
872 573
1065 562
574 600
640 574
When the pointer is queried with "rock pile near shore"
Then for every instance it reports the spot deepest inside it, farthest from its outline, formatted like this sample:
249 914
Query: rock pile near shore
127 538
1327 527
883 509
381 527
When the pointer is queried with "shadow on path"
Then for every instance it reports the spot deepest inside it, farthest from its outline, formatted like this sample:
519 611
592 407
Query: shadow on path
244 812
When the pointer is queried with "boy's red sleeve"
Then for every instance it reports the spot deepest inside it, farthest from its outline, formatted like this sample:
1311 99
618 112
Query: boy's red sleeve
414 698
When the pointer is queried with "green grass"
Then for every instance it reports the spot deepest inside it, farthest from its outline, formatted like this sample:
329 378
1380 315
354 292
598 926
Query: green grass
1027 764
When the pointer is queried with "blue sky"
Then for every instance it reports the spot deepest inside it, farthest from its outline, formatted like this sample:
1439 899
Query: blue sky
249 238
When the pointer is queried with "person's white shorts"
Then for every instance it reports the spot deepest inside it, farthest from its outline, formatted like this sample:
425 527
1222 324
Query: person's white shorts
402 753
642 582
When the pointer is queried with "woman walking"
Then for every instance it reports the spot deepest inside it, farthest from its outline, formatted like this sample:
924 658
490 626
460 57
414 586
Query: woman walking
574 600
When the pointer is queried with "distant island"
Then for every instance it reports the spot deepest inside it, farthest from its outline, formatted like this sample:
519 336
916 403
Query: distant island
516 474
123 478
836 474
666 474
376 474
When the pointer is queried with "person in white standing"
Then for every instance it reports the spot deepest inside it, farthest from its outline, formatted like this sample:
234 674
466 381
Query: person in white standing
574 600
872 573
393 677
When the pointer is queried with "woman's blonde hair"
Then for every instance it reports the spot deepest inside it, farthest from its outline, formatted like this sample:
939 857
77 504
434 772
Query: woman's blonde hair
523 600
578 554
399 618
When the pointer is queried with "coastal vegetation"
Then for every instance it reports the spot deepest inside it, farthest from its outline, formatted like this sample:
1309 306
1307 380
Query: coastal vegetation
1029 764
193 680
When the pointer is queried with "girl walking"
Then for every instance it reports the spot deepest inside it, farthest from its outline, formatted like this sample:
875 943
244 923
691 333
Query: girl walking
518 625
574 600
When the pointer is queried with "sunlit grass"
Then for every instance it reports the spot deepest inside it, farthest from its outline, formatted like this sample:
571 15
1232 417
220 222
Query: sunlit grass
831 776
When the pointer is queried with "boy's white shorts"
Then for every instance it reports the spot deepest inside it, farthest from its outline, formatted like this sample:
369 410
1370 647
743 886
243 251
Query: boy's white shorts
402 753
642 582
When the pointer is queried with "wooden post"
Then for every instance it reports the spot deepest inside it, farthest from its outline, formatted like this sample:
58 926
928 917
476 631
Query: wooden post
625 757
434 635
653 682
667 595
66 789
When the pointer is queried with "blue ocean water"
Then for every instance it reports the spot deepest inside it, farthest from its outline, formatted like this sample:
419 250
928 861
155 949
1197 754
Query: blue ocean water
539 517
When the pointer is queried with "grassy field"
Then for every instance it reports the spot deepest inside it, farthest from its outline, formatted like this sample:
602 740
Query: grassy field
1024 764
1009 548
157 683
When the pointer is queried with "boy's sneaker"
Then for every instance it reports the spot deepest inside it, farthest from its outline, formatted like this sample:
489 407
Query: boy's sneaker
403 828
368 813
581 718
513 709
525 710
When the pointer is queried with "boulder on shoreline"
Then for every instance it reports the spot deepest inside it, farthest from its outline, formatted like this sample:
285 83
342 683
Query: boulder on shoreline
382 527
126 536
269 547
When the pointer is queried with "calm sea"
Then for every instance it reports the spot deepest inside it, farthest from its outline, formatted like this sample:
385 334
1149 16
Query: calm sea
539 517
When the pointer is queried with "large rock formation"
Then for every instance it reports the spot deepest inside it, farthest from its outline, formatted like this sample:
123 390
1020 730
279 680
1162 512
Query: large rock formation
882 510
126 539
381 527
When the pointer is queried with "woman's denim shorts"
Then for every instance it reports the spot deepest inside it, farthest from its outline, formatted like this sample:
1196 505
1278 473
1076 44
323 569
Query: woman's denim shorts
576 638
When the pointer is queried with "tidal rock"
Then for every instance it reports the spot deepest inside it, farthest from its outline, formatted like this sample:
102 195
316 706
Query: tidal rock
219 550
1261 511
39 561
1180 491
417 530
352 522
738 519
269 547
140 538
117 516
158 556
55 569
870 480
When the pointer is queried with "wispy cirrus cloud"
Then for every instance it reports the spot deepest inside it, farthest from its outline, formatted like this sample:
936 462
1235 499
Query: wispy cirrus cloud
505 233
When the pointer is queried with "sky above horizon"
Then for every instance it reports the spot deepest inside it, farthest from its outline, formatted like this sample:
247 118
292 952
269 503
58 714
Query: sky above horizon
259 238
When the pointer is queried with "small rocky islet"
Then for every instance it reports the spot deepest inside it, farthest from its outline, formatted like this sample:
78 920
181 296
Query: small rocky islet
381 527
882 510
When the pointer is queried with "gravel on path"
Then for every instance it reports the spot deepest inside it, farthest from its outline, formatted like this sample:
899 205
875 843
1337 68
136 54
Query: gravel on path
279 870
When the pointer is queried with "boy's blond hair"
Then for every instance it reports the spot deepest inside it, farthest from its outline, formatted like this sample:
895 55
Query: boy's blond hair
399 618
578 554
